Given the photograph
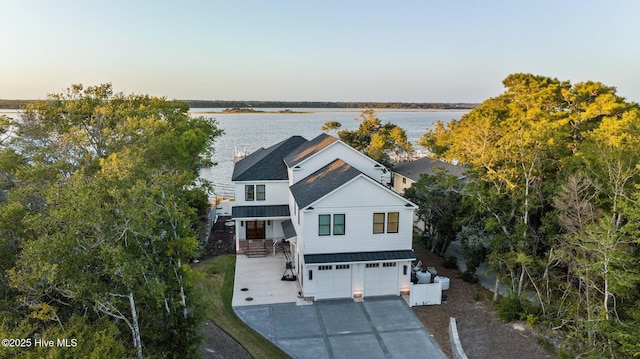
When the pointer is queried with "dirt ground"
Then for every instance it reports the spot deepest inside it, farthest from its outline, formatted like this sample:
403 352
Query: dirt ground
481 333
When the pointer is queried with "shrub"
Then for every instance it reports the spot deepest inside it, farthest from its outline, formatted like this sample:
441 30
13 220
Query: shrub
509 309
469 277
450 263
478 297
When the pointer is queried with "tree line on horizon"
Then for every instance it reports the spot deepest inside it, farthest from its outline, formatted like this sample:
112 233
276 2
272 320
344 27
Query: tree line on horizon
19 104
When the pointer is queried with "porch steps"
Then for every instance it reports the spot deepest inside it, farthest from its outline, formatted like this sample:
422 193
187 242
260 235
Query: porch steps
256 249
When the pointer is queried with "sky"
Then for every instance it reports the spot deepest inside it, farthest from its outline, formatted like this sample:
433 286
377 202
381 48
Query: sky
296 50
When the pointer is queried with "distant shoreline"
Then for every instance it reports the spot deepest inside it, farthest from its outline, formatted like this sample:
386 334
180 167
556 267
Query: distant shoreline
199 111
314 106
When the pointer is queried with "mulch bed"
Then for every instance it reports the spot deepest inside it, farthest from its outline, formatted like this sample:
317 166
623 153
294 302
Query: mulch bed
482 333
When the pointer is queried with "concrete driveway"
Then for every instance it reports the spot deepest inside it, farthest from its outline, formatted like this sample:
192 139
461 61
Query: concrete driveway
383 327
376 327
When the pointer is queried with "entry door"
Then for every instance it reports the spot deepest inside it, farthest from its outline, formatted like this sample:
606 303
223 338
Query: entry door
255 230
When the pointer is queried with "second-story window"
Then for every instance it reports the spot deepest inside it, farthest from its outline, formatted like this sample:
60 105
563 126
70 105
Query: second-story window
249 192
393 222
260 192
378 223
324 224
255 192
338 224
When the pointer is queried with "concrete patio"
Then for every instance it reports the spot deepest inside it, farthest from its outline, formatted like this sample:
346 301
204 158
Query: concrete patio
258 281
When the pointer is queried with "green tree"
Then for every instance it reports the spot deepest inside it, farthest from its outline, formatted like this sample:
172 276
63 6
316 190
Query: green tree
374 139
553 168
439 200
104 198
331 126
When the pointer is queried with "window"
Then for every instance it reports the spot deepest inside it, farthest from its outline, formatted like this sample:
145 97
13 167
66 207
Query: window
342 266
324 224
325 267
378 223
260 192
392 222
372 265
255 192
388 264
249 192
338 224
404 180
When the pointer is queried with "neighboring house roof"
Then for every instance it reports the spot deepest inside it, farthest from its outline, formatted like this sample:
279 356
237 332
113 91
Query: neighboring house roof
266 164
260 211
425 165
359 256
323 182
308 149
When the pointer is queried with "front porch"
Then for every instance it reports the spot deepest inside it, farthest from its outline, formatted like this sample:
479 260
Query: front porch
262 247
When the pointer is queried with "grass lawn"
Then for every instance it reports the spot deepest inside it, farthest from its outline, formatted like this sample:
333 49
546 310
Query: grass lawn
216 291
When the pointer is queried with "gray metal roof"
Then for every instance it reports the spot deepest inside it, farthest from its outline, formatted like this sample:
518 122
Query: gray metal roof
266 163
308 149
425 165
359 257
260 211
288 229
322 182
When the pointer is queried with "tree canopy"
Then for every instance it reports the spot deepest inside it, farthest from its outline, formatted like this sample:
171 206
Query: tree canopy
372 138
98 222
554 174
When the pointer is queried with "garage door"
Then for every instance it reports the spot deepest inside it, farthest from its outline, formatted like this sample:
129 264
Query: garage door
380 279
333 281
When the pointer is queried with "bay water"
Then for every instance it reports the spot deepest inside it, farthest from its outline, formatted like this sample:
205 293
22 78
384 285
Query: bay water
251 131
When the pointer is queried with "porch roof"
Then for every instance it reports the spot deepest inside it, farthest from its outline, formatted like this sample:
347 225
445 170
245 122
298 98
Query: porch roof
272 211
289 230
359 256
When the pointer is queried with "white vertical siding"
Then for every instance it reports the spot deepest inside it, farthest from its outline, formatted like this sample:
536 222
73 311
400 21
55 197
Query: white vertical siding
276 192
358 201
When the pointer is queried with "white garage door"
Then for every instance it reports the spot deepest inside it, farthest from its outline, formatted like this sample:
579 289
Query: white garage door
333 281
381 279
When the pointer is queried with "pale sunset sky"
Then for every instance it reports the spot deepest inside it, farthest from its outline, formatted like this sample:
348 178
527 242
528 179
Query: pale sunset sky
410 51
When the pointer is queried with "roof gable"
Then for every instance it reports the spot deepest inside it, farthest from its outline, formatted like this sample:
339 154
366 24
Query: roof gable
266 164
362 191
322 182
308 149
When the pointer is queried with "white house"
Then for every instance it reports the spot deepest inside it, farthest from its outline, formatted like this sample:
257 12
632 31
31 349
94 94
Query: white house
350 236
